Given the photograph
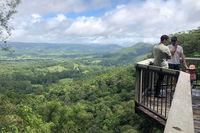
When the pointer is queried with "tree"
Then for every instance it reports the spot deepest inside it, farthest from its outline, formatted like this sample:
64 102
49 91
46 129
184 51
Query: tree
7 9
190 41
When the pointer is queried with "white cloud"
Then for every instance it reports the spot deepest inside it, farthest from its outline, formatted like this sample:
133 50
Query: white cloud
61 17
125 24
87 26
56 22
36 18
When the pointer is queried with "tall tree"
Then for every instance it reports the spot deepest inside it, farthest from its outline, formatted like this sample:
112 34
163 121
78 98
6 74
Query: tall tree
7 9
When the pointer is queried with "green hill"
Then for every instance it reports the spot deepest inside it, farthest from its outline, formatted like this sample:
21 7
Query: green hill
127 56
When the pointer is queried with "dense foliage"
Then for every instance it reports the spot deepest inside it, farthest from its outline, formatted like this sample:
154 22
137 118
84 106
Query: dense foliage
70 94
46 97
190 40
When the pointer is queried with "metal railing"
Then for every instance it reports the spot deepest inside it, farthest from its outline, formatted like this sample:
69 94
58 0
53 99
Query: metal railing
155 88
170 84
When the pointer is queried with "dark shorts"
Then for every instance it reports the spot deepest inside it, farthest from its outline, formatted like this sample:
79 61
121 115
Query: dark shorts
174 66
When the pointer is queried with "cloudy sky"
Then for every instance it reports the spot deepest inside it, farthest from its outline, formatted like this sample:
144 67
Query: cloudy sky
122 22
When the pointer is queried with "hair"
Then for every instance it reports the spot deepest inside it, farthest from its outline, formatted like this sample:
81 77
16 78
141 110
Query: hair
173 39
164 37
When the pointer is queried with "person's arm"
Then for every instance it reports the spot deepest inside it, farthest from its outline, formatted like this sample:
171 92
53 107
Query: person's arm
168 53
182 55
169 56
184 61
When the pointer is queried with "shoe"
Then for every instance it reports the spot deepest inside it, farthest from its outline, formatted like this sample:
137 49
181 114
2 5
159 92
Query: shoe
159 96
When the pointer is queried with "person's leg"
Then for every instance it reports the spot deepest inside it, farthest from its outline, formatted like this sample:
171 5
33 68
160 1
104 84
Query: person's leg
175 67
158 84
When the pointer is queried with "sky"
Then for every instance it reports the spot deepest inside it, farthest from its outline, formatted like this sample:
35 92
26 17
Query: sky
122 22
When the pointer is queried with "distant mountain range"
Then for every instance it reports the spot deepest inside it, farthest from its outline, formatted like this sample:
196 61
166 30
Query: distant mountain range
51 49
105 54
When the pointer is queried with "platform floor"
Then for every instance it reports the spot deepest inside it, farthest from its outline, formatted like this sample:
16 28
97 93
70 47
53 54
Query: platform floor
163 109
196 109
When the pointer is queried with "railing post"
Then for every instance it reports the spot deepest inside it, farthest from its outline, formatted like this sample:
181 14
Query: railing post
137 84
140 85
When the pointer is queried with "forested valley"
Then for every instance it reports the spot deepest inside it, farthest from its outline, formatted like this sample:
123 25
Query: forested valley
75 88
69 88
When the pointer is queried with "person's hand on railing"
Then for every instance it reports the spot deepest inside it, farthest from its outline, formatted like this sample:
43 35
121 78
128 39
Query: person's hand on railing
184 63
186 67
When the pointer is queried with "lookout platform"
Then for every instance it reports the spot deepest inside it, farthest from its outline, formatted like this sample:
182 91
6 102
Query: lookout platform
177 109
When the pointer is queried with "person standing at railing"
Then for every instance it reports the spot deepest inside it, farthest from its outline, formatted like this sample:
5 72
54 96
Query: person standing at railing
161 55
177 52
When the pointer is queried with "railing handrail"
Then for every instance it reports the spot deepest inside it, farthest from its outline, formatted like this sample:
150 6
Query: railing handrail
180 118
158 69
146 64
192 59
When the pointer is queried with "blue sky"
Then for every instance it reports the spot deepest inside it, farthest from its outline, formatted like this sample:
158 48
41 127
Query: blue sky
122 22
88 13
